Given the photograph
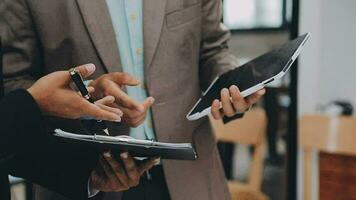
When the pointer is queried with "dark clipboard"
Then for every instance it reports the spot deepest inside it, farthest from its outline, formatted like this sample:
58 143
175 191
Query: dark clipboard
136 148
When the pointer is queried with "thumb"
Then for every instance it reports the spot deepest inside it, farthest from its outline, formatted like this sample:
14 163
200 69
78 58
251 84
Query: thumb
86 70
148 102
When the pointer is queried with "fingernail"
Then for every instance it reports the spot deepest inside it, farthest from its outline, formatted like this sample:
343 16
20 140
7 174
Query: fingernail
90 67
117 120
107 155
111 98
262 92
234 88
157 161
216 101
225 91
124 155
120 113
152 100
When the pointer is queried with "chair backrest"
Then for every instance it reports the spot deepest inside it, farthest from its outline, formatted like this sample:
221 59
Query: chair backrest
324 134
250 130
328 134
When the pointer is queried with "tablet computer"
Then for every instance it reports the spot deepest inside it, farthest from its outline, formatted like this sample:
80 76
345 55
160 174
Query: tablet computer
252 76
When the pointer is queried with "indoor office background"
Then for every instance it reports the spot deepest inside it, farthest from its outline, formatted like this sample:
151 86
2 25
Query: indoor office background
325 73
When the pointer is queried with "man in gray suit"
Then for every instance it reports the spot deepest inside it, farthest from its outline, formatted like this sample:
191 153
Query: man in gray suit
175 48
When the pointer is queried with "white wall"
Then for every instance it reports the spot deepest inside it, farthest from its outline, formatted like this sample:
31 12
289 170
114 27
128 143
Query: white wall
327 66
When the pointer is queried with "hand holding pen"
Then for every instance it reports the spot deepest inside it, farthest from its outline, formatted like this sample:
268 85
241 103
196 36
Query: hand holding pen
93 126
55 97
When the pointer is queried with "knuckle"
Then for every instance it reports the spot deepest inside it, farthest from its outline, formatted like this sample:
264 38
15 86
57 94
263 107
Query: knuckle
103 80
125 187
136 183
113 187
106 91
132 184
132 171
126 78
122 74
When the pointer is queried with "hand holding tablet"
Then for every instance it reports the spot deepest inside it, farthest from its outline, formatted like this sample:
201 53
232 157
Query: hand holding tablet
233 102
249 78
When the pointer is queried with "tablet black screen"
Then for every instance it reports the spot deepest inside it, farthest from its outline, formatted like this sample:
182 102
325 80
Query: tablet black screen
252 73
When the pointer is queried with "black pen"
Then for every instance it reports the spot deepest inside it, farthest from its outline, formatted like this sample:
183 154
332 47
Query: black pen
79 83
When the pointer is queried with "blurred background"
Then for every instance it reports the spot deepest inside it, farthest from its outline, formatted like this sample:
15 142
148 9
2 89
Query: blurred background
324 79
261 161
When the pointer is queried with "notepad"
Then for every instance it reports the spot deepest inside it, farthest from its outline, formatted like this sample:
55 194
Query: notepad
136 147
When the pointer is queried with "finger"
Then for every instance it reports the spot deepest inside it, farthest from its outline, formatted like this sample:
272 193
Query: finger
148 103
108 103
124 79
132 123
96 180
117 169
130 166
136 122
91 89
256 97
215 110
226 103
131 114
111 109
86 70
123 99
112 105
95 111
106 100
239 102
110 174
148 165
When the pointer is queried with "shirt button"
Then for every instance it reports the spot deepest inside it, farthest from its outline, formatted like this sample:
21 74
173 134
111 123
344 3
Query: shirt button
138 51
133 17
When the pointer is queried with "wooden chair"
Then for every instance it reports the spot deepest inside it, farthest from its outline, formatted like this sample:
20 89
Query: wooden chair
250 130
319 133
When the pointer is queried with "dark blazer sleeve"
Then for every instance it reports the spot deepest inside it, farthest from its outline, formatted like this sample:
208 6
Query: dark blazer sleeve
21 122
63 173
38 157
21 52
215 56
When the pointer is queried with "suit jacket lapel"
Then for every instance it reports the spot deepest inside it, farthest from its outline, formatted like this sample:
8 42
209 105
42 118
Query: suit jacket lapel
153 18
98 22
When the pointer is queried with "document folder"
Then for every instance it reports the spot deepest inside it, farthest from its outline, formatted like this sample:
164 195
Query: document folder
136 147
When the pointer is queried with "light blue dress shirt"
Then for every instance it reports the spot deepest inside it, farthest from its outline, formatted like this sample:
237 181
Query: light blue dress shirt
127 19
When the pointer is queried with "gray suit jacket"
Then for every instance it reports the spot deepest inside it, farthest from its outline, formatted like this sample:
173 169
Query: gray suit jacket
185 48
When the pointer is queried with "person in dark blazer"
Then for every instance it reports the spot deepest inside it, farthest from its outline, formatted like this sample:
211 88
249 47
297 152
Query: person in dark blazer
22 134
